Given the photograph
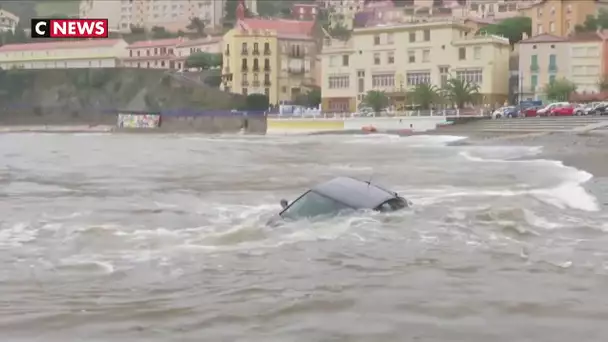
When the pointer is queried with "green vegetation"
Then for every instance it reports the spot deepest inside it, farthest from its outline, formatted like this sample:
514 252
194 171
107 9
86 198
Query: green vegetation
377 100
460 92
424 95
603 83
511 28
593 23
204 60
197 25
63 8
257 102
310 99
559 90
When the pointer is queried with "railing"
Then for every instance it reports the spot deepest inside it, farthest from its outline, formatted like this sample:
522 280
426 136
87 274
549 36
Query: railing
411 113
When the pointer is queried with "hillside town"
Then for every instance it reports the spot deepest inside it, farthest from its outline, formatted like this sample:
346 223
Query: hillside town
396 52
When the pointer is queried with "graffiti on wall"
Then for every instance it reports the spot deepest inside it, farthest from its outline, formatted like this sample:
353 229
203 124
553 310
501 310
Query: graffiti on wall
138 121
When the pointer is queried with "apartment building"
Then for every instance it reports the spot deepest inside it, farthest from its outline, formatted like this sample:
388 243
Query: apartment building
560 17
8 21
272 57
396 58
102 53
542 59
172 14
588 60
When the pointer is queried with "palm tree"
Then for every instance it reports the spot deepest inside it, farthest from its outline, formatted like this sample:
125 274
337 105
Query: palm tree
424 95
377 100
197 25
461 92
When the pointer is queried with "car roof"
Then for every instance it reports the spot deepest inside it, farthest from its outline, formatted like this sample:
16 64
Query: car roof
354 193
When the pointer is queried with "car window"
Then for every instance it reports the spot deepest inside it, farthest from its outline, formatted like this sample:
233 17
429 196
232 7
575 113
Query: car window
313 204
393 204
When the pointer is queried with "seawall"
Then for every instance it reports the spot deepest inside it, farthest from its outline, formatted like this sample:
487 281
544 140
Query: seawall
190 123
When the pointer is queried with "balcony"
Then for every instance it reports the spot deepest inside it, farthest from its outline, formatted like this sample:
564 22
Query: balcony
534 67
266 83
267 52
266 67
552 68
256 83
294 54
256 68
245 83
255 52
244 52
297 71
244 68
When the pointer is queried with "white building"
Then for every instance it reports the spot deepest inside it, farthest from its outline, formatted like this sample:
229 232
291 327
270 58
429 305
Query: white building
173 15
8 21
169 54
101 53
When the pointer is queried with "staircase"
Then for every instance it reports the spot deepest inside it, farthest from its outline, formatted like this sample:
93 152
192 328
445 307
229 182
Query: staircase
531 125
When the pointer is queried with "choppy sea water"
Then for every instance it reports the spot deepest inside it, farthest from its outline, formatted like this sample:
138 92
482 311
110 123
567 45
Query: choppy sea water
163 238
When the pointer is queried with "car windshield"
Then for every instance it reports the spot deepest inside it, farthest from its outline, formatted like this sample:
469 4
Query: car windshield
313 204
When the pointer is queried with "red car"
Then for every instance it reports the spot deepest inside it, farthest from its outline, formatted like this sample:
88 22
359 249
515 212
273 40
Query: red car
531 111
563 111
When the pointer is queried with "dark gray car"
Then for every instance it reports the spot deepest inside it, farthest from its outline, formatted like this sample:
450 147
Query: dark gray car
338 195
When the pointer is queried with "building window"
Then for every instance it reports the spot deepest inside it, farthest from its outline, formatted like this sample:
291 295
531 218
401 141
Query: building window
390 39
376 40
462 54
534 82
345 60
383 81
552 10
426 56
427 35
539 29
552 26
333 61
568 26
418 77
539 12
244 91
477 52
444 73
390 58
339 82
412 37
470 75
376 59
411 56
267 91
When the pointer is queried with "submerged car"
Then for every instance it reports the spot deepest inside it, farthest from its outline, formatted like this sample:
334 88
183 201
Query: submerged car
339 195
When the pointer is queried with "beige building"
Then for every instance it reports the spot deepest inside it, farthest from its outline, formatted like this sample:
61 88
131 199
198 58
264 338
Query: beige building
101 53
587 60
560 17
272 57
396 58
172 14
542 59
8 21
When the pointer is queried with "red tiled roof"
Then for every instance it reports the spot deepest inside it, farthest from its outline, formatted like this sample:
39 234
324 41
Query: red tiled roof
73 44
201 41
155 43
281 26
589 36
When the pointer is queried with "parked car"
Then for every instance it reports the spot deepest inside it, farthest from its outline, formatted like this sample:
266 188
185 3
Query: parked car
545 111
506 112
531 111
585 109
564 110
600 109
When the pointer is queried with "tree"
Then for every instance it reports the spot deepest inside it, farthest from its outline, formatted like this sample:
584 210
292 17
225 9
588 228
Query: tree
559 90
424 95
603 83
204 60
339 31
511 28
159 32
461 92
230 11
593 23
377 100
198 25
257 102
311 99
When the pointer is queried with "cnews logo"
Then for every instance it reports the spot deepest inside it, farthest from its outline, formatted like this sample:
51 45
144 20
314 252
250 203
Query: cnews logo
69 28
